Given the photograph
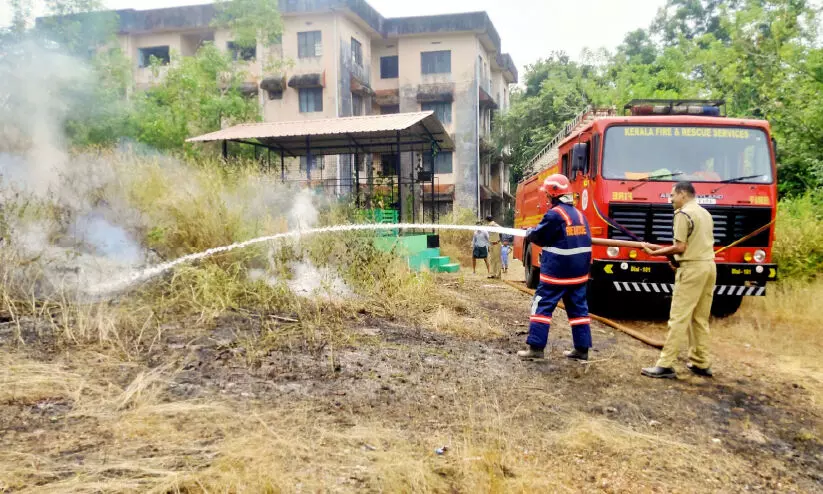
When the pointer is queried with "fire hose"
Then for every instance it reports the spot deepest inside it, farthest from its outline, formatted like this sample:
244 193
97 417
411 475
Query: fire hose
631 332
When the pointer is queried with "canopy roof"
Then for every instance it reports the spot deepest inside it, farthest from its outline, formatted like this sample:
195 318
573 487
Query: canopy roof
371 133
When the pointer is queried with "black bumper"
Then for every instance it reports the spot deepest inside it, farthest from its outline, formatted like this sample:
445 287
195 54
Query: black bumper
658 277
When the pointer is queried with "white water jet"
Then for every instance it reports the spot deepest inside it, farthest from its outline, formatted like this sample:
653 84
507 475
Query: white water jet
151 272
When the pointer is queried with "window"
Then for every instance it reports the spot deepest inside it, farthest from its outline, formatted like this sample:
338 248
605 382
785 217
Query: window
696 154
161 53
309 44
388 164
356 104
389 67
311 99
442 110
389 109
357 52
442 162
246 53
564 165
317 163
436 62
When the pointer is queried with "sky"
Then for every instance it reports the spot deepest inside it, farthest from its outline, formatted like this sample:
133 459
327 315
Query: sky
529 29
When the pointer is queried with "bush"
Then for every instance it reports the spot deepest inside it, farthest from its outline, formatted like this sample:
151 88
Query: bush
798 245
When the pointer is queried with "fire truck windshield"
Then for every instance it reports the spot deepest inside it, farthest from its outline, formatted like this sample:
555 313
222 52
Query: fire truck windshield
697 154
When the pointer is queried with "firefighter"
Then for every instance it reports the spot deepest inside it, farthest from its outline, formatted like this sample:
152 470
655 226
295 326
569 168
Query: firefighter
494 249
694 281
566 240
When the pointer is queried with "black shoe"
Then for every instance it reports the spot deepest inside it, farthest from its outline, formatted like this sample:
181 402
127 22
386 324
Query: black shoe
659 372
579 353
707 372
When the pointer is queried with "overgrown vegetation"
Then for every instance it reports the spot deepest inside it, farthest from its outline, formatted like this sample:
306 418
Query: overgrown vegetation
798 244
763 57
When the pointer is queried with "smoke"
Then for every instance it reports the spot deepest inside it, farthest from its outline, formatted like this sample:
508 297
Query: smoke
54 205
307 280
34 105
303 214
68 214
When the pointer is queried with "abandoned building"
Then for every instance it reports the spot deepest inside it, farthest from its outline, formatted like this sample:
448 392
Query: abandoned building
342 58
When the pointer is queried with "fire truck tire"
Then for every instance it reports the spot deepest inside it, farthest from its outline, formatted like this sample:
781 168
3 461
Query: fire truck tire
532 274
725 306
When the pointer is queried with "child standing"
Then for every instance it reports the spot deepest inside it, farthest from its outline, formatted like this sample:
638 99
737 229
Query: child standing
504 253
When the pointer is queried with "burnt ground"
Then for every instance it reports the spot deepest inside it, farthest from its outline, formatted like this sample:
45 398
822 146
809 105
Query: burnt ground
558 425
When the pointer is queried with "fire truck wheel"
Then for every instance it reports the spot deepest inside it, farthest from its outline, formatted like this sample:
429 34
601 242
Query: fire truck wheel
532 274
725 306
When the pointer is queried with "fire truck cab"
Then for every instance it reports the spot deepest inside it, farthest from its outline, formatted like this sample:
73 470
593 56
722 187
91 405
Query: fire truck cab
622 170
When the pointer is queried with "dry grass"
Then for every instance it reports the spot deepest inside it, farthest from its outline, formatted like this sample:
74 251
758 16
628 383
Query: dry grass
94 400
785 322
132 439
458 244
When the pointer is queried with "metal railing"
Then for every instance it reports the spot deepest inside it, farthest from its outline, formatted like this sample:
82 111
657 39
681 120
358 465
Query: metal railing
555 142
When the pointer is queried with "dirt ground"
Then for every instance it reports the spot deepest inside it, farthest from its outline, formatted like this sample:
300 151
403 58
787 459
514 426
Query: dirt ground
401 408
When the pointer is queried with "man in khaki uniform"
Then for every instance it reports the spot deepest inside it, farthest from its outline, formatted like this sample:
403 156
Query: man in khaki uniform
694 280
494 249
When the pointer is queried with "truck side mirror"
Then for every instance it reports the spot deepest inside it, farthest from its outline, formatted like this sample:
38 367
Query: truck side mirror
774 147
580 158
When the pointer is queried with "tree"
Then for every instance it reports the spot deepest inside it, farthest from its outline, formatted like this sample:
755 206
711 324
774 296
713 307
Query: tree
250 20
762 56
195 95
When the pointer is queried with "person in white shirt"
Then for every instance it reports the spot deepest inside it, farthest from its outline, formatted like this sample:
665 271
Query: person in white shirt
480 249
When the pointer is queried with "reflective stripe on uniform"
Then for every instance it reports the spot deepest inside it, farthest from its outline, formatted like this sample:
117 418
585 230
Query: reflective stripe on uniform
580 320
564 215
579 216
567 252
563 281
541 319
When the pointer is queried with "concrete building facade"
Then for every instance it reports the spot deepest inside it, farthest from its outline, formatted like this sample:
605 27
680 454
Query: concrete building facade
341 58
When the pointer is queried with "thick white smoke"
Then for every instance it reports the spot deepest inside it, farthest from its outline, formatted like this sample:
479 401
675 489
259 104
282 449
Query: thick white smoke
62 211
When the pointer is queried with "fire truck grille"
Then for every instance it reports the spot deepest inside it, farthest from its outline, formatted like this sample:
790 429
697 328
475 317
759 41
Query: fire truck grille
653 223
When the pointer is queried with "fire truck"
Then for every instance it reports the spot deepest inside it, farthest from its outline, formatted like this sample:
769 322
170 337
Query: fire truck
622 169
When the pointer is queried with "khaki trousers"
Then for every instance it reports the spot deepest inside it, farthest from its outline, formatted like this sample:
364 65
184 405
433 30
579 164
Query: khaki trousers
494 261
689 316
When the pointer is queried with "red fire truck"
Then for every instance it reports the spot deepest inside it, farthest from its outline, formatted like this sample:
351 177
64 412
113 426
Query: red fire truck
622 169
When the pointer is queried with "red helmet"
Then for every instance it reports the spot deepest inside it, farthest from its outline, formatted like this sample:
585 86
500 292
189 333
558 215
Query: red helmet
556 185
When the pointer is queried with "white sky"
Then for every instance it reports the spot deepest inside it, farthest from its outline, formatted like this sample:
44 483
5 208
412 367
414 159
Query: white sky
529 29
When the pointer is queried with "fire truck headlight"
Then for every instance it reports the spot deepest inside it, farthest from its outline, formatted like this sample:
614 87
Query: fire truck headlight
759 255
613 251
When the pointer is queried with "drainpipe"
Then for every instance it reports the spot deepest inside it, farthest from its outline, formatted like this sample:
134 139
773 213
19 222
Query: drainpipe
336 85
476 99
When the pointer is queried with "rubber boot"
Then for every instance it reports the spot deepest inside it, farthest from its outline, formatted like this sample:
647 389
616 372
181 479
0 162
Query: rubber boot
533 353
579 353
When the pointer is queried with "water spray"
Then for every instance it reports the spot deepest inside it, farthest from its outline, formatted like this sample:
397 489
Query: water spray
151 272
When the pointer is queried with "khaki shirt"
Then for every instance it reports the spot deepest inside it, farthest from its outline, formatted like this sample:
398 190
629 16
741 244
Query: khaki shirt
493 237
694 226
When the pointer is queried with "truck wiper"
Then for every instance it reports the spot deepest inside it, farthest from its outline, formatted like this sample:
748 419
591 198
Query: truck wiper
646 180
735 179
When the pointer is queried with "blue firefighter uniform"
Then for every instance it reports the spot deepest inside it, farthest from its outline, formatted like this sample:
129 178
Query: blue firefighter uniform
565 237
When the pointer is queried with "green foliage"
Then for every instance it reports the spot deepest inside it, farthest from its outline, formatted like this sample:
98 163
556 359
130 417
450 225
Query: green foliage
250 19
194 96
762 56
78 26
798 245
101 114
